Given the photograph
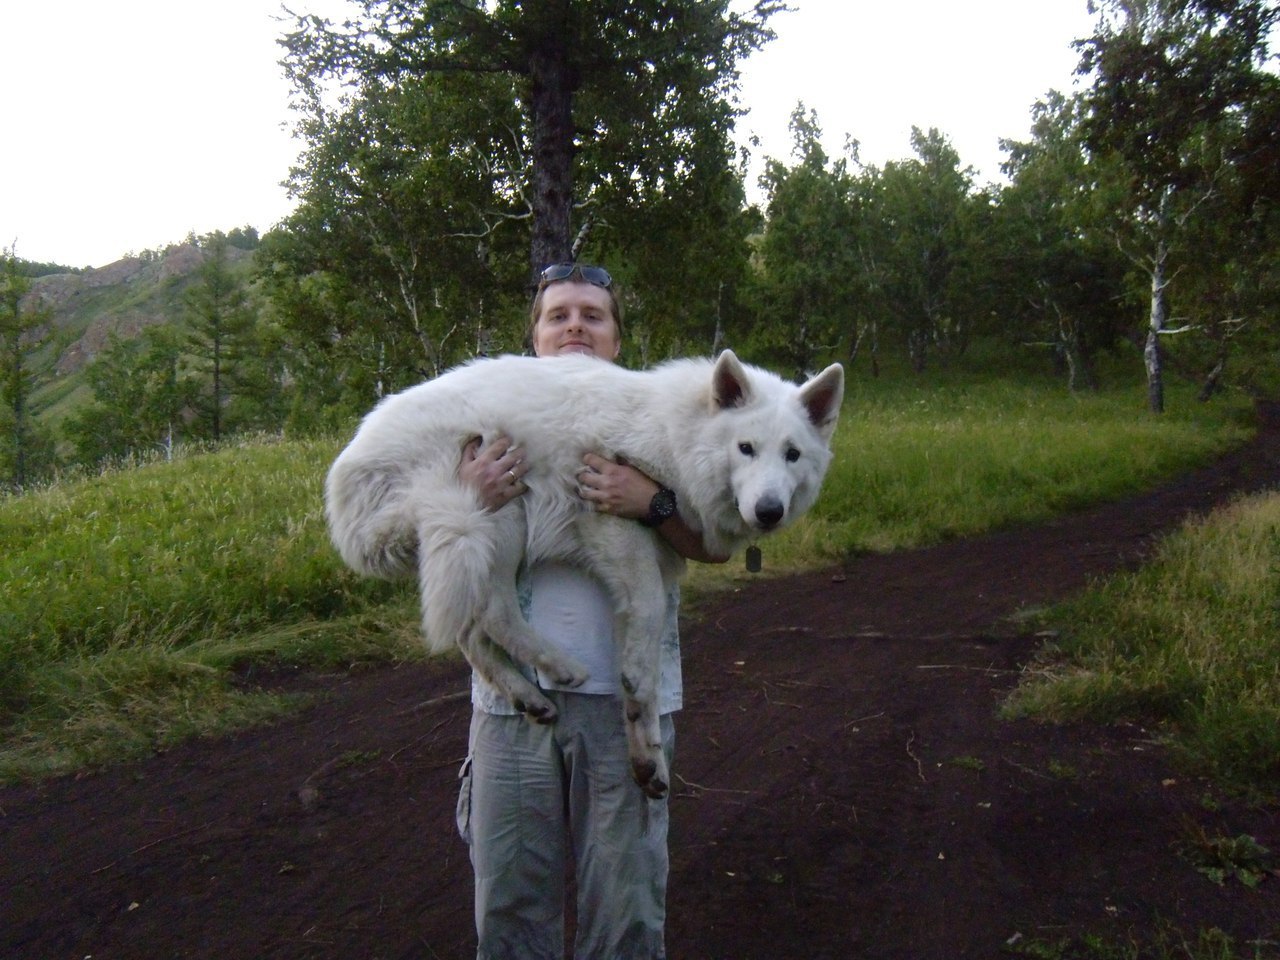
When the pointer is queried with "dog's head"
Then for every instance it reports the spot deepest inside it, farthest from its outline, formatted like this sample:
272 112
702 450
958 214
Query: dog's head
778 437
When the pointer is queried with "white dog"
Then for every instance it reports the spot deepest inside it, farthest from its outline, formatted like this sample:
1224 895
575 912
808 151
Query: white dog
744 451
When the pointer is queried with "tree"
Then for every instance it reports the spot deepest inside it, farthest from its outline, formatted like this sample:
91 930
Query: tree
24 362
923 225
811 288
139 398
1061 280
1174 107
388 266
221 331
611 94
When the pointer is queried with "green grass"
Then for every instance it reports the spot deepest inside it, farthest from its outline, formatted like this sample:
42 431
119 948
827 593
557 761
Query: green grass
136 602
1189 644
918 463
132 599
1168 942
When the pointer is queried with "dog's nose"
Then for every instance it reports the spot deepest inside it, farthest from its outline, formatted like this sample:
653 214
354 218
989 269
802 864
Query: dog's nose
769 511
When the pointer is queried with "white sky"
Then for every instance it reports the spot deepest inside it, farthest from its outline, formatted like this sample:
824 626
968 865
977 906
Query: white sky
129 123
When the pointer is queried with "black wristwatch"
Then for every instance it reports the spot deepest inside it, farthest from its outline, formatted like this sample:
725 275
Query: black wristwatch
661 507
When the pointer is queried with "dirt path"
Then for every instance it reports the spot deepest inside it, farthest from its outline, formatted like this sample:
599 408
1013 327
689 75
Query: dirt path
844 790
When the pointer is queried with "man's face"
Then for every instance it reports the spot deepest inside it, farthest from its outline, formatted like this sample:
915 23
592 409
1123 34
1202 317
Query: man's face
576 318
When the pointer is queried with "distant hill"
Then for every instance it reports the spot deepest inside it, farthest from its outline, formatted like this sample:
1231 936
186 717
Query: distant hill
123 298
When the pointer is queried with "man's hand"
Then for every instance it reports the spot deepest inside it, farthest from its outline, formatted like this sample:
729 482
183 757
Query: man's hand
615 488
495 472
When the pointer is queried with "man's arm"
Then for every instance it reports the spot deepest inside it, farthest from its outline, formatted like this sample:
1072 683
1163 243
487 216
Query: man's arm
622 490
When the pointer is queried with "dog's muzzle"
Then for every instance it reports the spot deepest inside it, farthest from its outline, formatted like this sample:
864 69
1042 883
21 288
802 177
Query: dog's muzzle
769 512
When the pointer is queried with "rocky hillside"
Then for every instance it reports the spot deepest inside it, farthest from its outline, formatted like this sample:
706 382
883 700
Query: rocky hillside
122 298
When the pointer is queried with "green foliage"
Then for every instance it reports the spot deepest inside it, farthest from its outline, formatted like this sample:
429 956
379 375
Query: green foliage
389 269
138 398
810 287
221 335
31 269
1062 280
924 226
1176 114
219 367
1222 858
475 142
1167 942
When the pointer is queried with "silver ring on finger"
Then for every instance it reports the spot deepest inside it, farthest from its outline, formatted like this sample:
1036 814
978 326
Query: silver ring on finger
512 475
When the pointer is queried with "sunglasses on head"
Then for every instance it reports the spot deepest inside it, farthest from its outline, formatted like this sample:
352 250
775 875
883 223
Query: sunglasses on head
563 271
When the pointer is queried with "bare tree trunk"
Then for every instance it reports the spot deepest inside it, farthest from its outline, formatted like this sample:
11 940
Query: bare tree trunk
1213 381
717 338
1079 370
1151 352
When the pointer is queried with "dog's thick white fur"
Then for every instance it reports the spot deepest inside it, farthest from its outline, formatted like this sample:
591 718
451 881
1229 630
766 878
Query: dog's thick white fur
744 451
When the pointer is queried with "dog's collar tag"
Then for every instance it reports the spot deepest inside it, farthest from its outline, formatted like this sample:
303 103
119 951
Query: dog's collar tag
754 558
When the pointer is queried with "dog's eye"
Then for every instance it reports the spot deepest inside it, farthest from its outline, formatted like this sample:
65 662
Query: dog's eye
746 449
793 455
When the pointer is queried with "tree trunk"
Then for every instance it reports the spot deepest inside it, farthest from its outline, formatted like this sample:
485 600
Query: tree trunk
1213 380
917 350
1151 353
552 85
1079 370
717 338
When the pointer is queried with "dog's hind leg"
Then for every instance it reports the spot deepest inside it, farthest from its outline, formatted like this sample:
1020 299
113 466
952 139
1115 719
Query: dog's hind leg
492 663
467 563
466 575
499 614
626 558
501 635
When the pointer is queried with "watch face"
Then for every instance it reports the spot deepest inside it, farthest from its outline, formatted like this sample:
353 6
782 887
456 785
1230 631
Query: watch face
661 507
664 503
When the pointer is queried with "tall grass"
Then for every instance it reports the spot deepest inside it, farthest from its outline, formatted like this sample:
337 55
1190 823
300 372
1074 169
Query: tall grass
1189 644
132 602
129 600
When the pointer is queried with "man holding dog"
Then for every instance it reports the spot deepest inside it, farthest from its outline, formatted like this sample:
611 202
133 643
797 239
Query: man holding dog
533 795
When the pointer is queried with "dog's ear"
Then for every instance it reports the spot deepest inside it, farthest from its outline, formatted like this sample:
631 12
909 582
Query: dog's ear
822 397
730 386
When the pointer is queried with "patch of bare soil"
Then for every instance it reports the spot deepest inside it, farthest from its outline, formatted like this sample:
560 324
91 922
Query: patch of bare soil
844 789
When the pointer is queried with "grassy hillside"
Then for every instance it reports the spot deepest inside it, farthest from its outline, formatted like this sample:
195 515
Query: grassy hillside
136 602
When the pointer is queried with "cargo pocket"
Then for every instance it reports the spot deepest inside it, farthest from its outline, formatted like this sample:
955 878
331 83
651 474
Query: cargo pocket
463 813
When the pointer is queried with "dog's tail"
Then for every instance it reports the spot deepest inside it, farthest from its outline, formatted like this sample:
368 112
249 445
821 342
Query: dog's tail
457 547
371 519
